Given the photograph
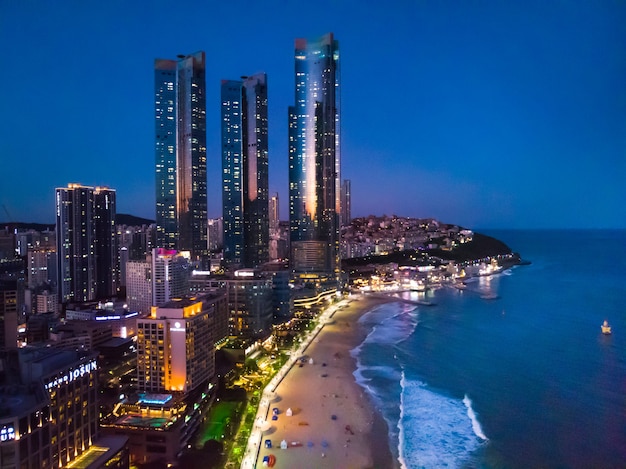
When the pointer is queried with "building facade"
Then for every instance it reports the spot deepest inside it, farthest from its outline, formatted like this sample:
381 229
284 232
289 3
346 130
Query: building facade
175 345
139 285
245 186
170 275
52 415
180 145
346 202
314 157
86 246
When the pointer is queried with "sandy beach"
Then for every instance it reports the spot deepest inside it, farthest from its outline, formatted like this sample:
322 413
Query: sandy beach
333 423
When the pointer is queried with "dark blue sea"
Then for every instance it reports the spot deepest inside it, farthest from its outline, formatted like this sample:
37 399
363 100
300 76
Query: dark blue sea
513 371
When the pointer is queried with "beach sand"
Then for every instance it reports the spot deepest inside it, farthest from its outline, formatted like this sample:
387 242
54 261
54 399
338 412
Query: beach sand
357 437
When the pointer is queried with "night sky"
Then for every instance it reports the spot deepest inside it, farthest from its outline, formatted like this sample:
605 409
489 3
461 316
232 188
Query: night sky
487 114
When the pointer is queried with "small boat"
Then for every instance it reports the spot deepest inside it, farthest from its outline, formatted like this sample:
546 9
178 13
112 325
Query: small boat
606 329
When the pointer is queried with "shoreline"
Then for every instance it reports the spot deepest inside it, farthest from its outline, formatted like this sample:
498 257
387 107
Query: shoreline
333 421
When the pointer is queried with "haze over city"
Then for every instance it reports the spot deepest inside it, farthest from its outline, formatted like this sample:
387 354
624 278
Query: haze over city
489 114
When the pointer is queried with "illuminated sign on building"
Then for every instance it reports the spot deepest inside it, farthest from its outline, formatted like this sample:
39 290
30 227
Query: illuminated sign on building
72 374
177 327
7 433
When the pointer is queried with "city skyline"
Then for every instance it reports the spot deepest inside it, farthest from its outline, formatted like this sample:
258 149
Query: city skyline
488 116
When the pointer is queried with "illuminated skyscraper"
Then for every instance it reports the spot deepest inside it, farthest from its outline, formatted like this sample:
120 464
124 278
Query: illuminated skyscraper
346 203
245 171
314 157
180 132
274 212
86 243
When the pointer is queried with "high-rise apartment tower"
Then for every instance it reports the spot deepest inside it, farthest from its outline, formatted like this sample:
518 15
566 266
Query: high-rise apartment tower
180 145
86 243
245 171
314 157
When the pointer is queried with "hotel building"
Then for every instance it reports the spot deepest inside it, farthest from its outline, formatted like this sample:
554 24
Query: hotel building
245 171
314 158
180 146
175 377
49 415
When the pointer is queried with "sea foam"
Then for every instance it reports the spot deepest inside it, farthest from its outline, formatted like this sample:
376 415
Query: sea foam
472 415
434 429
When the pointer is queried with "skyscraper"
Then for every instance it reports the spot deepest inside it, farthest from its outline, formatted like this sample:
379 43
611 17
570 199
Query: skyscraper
105 242
274 212
180 136
346 203
86 247
245 171
314 157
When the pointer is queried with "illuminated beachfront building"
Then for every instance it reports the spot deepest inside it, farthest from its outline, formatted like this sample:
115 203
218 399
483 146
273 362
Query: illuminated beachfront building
245 171
314 158
180 146
250 300
50 412
86 243
175 346
175 377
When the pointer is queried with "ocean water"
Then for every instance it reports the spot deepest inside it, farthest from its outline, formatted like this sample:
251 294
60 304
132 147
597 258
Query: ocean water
511 372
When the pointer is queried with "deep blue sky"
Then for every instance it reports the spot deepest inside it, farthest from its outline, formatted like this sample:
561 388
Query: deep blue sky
492 114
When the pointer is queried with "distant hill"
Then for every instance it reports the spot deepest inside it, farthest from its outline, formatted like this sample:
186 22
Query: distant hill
12 225
131 220
480 247
120 219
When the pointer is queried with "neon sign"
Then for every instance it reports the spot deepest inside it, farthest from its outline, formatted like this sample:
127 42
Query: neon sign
72 374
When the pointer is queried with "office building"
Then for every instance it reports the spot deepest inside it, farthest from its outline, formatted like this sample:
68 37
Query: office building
180 145
215 234
41 266
8 314
170 275
346 203
250 300
86 243
314 158
245 171
139 285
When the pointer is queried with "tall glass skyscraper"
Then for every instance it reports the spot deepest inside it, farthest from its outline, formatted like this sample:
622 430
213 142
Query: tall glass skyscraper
180 136
314 157
245 187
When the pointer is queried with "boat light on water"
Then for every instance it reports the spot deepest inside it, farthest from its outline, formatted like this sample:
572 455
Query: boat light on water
606 329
